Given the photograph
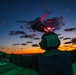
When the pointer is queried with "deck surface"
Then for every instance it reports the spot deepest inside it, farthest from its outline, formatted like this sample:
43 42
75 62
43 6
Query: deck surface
11 69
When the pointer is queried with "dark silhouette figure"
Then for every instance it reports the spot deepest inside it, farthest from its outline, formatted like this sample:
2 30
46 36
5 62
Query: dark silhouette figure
52 62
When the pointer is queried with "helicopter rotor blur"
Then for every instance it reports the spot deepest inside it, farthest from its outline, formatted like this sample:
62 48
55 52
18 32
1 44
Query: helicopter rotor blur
41 25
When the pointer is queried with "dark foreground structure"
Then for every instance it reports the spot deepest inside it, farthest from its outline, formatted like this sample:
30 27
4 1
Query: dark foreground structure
7 68
52 62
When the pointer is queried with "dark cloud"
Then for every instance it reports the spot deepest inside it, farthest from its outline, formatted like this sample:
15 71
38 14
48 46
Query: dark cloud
74 40
36 38
34 34
70 29
17 32
61 37
22 34
23 44
35 45
67 38
56 29
27 36
2 48
16 44
29 42
69 42
68 46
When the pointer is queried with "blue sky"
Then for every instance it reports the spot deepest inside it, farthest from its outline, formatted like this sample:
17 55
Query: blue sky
12 10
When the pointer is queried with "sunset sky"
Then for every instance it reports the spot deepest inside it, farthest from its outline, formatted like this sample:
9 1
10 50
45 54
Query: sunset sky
27 10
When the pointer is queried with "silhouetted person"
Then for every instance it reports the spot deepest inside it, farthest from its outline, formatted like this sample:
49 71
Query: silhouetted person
52 62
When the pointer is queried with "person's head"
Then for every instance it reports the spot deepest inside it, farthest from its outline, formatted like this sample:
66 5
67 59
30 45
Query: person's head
49 41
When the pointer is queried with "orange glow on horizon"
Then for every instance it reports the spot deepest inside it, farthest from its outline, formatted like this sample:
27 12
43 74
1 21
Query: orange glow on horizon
30 51
36 50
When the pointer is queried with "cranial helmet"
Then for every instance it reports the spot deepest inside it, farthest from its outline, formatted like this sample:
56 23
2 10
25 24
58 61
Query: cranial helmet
49 41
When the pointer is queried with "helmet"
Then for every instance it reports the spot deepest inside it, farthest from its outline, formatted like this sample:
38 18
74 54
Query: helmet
49 41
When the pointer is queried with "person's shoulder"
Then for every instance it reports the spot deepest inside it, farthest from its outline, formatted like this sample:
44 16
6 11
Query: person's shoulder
54 52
